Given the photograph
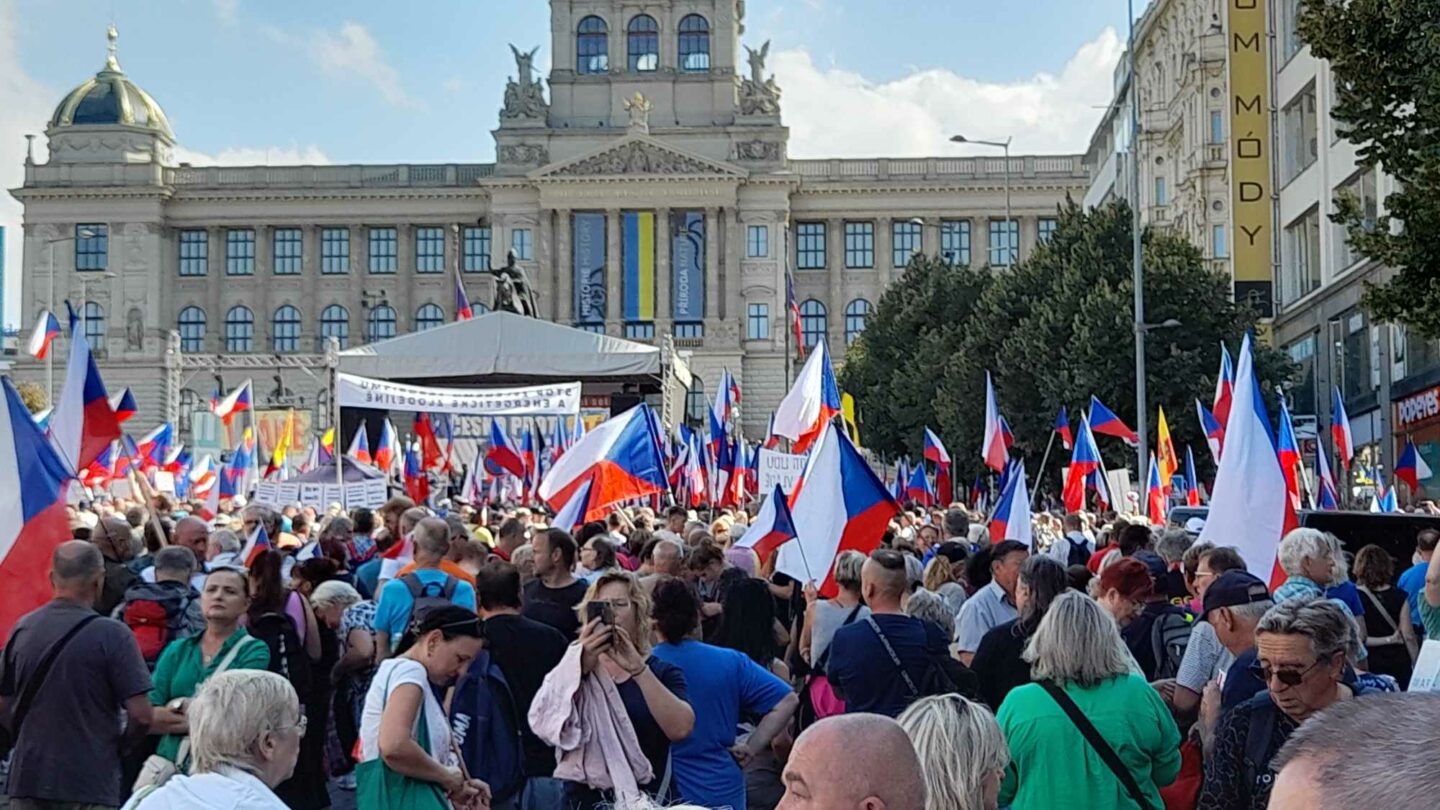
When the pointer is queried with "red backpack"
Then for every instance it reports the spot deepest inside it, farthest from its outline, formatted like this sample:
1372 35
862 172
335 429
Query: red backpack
151 624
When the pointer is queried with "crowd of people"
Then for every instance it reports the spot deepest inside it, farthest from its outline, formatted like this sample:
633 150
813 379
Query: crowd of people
439 657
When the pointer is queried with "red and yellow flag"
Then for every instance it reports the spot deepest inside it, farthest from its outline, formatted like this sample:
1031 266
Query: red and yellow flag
1165 452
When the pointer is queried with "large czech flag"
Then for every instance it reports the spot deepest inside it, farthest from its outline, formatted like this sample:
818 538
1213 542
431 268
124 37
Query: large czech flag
83 423
620 459
812 402
502 455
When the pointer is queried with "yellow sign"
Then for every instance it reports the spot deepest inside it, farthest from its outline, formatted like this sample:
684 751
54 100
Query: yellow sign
1251 153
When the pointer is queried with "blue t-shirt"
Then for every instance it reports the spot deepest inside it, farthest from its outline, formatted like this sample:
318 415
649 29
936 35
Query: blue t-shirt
1412 582
1347 592
863 671
1240 683
392 609
368 575
720 684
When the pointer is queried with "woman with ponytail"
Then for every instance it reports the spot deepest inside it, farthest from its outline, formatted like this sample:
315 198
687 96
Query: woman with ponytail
406 756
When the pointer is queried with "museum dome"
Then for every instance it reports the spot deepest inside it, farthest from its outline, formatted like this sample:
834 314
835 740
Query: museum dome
111 98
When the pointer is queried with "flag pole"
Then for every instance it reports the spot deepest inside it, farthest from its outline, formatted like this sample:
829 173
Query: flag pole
1044 459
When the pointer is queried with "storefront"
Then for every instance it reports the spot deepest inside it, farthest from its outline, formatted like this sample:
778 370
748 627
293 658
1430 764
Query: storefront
1417 417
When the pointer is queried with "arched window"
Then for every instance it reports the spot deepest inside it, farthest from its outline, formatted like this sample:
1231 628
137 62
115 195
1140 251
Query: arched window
94 325
381 325
192 329
285 330
592 46
335 322
857 314
812 322
429 316
479 308
239 330
642 44
694 44
697 407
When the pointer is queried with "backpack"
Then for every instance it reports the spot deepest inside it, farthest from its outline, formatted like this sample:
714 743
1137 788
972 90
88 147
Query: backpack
1079 553
1169 636
153 626
428 596
287 654
487 727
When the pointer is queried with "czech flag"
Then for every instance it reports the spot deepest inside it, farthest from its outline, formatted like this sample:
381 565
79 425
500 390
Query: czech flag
463 312
1155 495
811 403
838 505
47 328
1062 426
792 309
1329 494
1224 387
993 449
772 527
102 470
1213 430
1084 460
1288 452
83 423
1011 520
727 395
935 451
430 454
918 489
977 493
619 458
1192 484
32 509
1249 506
384 454
360 446
1411 467
572 514
694 475
501 455
257 544
237 401
123 404
417 482
1105 422
1340 431
153 446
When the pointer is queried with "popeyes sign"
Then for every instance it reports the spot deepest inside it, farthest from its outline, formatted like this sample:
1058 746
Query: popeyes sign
1417 409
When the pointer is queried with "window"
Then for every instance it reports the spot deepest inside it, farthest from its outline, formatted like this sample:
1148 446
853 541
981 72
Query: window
592 47
477 249
429 250
697 407
1219 247
1299 140
1303 395
194 253
1290 42
905 239
239 330
1361 188
859 244
1300 257
288 247
757 241
757 322
520 243
383 250
1161 198
334 322
191 325
334 250
812 322
1354 355
381 325
1217 126
429 316
810 246
689 330
92 246
597 328
640 330
857 314
642 44
240 252
1004 252
694 44
955 241
1045 228
94 318
285 330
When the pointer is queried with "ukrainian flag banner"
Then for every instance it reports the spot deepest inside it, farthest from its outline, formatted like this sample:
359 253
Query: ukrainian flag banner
638 250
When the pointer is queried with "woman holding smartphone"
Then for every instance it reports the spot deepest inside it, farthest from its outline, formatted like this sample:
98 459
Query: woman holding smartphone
653 691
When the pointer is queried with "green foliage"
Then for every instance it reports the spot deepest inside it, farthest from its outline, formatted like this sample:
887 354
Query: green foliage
1385 59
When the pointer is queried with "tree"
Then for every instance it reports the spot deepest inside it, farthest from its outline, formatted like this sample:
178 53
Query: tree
33 395
1385 59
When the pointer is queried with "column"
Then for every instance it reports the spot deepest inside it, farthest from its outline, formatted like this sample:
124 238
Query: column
835 270
400 288
712 265
545 264
885 251
664 273
310 285
733 272
564 308
214 298
614 268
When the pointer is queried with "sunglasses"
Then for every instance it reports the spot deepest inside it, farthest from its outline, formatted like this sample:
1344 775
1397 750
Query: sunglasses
1287 677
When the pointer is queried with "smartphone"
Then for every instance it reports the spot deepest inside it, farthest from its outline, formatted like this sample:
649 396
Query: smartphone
599 609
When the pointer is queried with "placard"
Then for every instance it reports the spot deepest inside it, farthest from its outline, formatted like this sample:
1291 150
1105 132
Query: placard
356 495
311 493
1427 667
779 468
287 492
333 494
266 492
558 399
165 481
376 491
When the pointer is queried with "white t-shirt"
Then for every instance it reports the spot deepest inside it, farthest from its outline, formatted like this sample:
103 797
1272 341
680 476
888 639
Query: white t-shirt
392 673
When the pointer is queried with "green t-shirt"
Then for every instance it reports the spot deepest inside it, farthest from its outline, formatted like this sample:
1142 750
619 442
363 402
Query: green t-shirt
181 669
1430 617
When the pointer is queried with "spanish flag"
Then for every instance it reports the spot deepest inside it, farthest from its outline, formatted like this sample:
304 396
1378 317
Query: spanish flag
1165 452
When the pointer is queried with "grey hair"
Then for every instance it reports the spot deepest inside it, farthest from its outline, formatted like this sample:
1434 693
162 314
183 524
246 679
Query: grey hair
232 713
266 514
334 593
939 726
432 536
226 540
1321 620
1173 544
669 545
1077 642
522 553
175 560
1251 613
923 604
1403 725
847 569
1300 545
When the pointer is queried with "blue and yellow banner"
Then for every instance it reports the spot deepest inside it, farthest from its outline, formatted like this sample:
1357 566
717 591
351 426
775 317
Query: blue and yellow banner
687 261
589 263
637 246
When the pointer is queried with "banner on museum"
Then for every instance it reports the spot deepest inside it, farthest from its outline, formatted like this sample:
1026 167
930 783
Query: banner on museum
560 399
637 248
589 266
687 260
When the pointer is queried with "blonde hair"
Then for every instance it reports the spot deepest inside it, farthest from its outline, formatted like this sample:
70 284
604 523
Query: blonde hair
939 727
1076 642
639 602
232 712
937 573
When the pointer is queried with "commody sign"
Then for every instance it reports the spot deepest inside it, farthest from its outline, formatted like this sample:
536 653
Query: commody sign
561 399
1417 409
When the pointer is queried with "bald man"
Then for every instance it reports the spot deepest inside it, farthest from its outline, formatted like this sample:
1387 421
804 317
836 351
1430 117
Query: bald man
193 533
112 536
822 772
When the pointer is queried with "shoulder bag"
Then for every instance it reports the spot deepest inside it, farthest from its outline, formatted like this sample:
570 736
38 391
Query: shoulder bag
1382 641
379 786
1092 736
35 681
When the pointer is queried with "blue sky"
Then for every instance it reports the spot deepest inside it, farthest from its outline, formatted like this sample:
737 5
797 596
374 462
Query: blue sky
364 81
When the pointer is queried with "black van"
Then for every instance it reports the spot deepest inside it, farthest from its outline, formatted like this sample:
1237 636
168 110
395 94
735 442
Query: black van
1394 531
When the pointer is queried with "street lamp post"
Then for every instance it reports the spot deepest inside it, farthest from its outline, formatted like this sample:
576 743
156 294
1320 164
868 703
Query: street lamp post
1012 237
1137 267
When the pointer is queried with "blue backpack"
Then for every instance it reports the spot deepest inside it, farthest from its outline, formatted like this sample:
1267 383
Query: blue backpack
487 727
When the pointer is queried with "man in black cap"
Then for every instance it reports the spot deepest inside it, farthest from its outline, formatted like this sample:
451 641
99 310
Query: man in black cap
1233 605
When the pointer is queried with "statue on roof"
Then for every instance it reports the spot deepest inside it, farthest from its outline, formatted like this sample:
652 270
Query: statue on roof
759 95
523 95
513 292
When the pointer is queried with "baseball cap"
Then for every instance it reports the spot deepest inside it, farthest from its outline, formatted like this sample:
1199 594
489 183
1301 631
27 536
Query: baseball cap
1153 563
1234 587
1195 525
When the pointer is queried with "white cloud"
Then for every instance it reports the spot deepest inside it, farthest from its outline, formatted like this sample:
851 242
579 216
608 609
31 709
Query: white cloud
838 113
352 53
227 10
27 104
292 155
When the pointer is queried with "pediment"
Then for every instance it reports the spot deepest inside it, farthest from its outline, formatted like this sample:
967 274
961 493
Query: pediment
638 156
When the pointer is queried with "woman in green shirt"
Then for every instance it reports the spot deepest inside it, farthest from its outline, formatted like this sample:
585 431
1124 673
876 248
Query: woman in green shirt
1077 648
187 662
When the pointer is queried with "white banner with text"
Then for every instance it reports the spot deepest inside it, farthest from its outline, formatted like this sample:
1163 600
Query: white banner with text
559 399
